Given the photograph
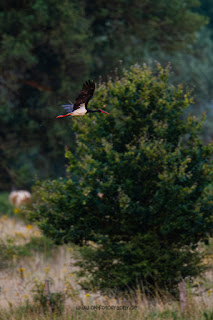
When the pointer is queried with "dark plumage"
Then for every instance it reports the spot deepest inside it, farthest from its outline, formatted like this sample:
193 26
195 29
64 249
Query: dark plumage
80 106
85 95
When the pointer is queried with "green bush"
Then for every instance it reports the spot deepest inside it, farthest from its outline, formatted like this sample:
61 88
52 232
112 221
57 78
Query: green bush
4 255
55 301
5 207
137 186
8 249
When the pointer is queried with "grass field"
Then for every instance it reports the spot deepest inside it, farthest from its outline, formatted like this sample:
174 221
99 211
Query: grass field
27 259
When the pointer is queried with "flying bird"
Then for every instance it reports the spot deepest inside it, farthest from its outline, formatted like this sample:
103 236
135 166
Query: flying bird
80 106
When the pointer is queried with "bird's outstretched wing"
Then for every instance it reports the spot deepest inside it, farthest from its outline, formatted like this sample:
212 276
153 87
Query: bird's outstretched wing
85 95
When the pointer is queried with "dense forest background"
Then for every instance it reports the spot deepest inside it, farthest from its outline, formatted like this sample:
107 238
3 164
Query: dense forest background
49 48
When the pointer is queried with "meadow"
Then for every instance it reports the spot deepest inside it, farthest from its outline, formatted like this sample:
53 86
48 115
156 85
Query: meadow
27 259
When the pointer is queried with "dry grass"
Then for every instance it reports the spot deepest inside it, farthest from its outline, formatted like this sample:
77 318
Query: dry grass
20 232
17 282
139 309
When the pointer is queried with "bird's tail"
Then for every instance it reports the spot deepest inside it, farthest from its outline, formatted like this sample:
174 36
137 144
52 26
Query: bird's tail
68 107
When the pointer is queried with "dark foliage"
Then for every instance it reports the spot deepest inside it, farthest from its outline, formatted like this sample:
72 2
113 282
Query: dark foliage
137 186
49 48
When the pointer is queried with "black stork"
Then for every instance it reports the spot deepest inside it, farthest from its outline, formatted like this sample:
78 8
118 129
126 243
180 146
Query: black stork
80 106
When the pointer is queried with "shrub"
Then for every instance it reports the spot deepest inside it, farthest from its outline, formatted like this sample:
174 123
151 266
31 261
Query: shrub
5 206
4 255
9 249
137 186
55 301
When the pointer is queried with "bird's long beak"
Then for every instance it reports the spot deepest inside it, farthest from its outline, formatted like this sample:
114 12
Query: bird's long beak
102 111
64 115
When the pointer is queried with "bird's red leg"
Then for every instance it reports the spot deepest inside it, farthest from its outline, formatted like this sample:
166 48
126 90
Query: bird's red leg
64 115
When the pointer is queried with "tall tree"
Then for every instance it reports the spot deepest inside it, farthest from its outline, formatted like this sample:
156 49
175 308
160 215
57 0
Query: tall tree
43 59
194 68
123 29
47 48
137 186
206 9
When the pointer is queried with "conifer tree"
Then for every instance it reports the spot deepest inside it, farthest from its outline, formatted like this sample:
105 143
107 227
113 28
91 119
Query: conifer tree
137 186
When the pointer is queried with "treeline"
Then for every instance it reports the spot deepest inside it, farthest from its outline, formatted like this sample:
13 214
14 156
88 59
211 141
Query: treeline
48 48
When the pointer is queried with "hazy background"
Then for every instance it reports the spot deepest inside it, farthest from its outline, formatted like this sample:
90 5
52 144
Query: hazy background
48 48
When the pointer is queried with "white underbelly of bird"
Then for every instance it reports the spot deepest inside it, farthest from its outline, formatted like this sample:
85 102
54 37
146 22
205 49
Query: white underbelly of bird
79 108
80 111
